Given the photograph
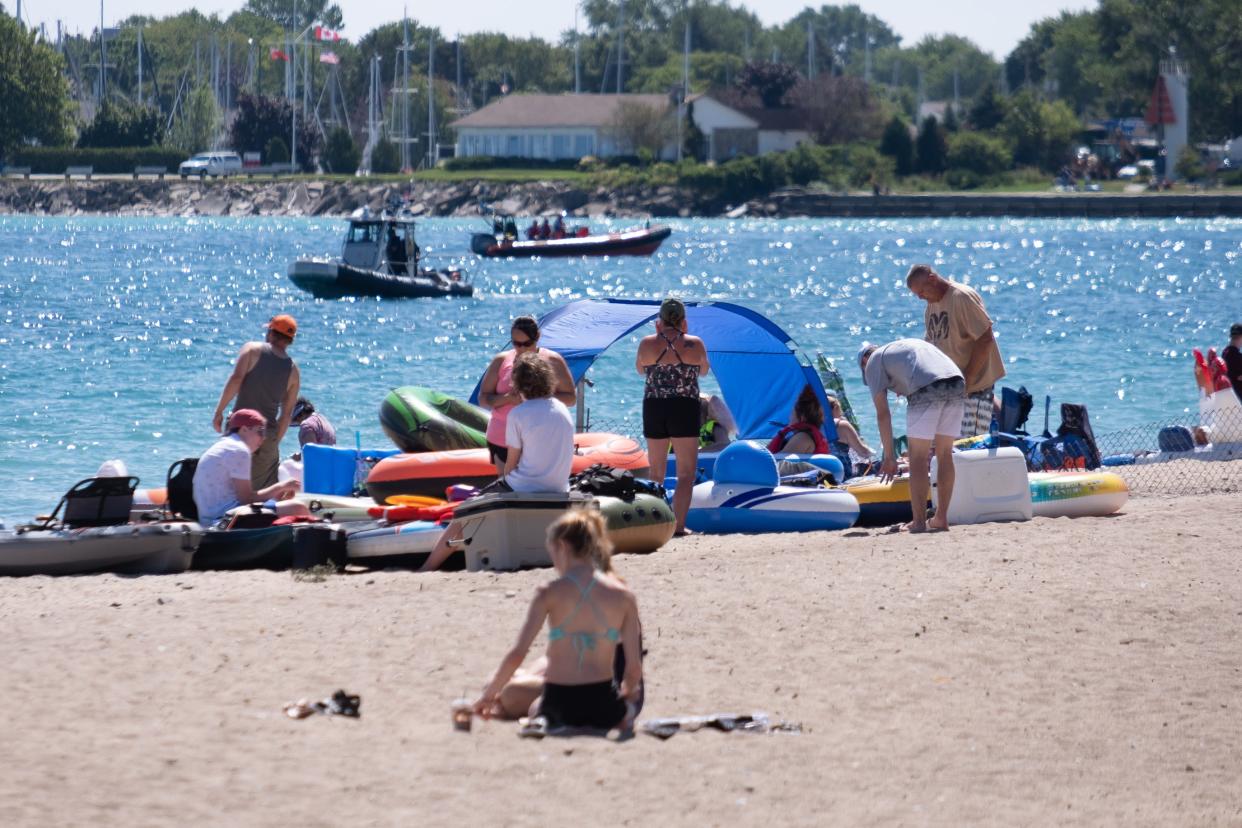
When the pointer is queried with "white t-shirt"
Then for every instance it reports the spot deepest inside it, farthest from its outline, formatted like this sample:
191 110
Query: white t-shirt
544 431
214 493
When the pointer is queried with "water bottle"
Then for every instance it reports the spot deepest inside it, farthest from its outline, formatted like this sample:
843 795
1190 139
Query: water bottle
361 468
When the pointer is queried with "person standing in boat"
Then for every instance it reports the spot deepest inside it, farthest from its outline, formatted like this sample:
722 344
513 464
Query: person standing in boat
266 379
397 258
672 362
498 394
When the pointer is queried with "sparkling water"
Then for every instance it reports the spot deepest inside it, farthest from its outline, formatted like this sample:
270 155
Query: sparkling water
117 334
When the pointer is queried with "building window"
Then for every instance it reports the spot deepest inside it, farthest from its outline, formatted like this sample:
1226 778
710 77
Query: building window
514 148
583 145
560 146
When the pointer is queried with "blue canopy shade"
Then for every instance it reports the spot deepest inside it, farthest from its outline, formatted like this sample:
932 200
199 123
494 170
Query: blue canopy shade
758 367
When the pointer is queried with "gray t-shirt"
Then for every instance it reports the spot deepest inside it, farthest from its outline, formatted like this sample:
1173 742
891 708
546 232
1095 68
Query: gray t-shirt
906 365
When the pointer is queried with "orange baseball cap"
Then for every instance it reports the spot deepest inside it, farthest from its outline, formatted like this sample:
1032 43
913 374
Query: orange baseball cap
284 324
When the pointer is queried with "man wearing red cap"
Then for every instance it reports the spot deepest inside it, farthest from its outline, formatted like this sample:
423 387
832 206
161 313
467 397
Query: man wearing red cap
222 479
265 379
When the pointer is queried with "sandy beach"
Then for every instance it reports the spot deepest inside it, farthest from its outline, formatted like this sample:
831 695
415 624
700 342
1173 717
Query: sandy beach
1055 672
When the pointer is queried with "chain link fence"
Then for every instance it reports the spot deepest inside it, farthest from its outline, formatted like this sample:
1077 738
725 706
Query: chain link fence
1188 455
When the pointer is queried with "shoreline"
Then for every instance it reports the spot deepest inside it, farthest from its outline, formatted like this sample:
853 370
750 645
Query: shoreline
301 197
1069 671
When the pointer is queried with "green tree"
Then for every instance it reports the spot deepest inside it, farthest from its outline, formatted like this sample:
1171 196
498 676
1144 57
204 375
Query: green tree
385 157
769 81
930 147
1190 166
34 94
694 142
119 124
340 153
195 127
276 151
988 109
981 154
1040 132
897 144
259 119
840 36
309 12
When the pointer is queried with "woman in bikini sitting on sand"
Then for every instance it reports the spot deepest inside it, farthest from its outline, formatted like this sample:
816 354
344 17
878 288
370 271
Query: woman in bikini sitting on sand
590 613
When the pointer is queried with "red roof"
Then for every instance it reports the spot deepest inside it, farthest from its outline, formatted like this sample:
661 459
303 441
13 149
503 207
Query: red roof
1160 108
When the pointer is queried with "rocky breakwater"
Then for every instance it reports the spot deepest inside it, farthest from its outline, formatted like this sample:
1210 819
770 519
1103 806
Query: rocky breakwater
239 197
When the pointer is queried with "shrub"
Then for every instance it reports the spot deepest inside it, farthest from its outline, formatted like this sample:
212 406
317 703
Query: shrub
112 160
385 157
898 145
276 151
962 179
123 125
340 153
978 153
930 147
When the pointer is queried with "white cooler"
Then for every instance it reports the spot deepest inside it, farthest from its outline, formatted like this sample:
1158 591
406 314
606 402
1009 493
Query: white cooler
991 485
508 530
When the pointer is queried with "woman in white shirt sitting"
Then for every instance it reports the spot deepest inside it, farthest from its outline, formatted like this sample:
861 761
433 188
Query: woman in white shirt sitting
539 438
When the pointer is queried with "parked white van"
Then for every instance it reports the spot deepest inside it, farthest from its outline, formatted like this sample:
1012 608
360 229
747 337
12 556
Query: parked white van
211 163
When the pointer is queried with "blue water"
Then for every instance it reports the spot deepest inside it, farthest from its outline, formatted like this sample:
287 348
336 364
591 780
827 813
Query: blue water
117 334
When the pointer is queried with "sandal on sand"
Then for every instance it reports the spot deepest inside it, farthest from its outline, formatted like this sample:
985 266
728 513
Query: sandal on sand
533 727
339 704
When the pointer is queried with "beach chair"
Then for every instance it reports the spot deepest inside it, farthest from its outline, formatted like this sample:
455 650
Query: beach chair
180 486
95 501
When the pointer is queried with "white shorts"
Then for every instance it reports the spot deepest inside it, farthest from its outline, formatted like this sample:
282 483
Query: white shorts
941 418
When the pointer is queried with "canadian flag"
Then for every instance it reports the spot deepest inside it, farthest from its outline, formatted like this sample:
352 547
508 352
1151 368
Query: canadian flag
326 34
329 57
277 54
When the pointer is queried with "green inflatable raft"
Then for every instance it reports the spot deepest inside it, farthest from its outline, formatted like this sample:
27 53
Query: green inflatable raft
420 419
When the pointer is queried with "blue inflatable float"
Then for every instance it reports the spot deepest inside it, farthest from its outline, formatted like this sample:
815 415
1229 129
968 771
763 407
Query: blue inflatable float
746 496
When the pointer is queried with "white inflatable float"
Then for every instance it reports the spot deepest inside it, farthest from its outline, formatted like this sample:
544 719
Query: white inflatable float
746 496
1077 494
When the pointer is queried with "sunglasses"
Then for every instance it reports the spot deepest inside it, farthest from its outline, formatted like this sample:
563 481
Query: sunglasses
260 430
523 343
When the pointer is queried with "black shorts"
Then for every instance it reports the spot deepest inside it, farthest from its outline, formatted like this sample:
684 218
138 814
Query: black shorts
497 454
670 417
596 705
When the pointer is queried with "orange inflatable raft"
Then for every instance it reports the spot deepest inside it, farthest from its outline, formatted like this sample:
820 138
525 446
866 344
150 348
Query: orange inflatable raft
430 473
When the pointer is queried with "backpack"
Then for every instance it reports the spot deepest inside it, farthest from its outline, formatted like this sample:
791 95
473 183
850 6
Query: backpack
605 480
1015 408
1175 438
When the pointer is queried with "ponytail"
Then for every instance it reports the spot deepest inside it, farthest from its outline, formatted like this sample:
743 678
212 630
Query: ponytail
586 534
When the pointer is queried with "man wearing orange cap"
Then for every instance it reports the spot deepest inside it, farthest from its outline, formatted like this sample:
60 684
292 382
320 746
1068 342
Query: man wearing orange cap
266 380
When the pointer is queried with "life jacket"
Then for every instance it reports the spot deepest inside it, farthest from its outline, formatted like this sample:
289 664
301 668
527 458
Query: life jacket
707 434
778 442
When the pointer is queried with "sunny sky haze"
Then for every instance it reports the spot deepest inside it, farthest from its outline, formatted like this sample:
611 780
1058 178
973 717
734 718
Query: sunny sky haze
995 26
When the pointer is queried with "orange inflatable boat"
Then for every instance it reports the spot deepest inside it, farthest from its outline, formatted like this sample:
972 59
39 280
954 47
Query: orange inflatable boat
430 473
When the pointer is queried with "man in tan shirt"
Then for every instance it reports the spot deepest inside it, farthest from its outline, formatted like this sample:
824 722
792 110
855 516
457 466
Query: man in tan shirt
958 324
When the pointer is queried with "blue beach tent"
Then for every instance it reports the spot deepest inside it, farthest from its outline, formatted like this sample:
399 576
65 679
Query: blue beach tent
758 367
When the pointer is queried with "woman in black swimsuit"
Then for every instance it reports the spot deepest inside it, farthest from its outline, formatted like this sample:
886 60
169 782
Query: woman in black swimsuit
672 361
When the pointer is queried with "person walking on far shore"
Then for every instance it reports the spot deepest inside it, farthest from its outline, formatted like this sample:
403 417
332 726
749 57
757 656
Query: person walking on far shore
266 379
958 324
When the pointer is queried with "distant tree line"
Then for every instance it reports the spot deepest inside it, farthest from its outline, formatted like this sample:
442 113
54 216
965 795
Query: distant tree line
847 68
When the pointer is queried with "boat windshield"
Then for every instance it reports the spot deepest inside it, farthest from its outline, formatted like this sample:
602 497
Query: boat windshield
363 233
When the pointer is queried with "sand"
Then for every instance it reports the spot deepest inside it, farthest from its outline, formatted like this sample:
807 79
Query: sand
1055 672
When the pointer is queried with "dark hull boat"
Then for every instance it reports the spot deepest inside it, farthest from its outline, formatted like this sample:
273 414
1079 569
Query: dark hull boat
641 241
328 279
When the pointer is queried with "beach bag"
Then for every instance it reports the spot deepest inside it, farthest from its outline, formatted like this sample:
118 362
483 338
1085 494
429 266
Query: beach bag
605 481
1076 423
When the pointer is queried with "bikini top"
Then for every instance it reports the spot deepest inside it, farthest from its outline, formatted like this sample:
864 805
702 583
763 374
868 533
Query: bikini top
583 641
672 379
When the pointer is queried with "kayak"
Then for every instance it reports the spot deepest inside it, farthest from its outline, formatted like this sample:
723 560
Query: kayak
166 547
430 473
